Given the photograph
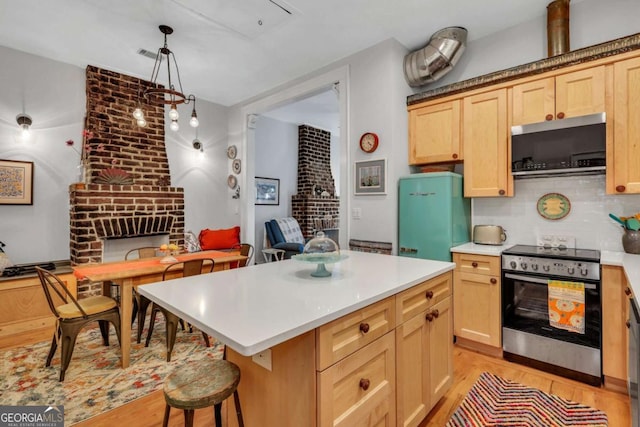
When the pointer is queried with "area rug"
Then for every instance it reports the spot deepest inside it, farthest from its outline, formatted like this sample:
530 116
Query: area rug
95 382
494 401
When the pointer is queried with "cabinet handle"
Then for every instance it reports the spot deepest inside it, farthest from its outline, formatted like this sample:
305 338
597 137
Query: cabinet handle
628 324
620 188
429 294
474 264
429 317
436 313
501 192
561 115
364 384
548 117
364 328
627 291
493 281
454 155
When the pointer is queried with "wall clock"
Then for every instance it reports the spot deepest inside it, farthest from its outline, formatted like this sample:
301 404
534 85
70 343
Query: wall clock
236 166
369 142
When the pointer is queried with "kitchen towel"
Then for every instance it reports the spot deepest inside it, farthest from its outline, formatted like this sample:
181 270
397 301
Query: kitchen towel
566 305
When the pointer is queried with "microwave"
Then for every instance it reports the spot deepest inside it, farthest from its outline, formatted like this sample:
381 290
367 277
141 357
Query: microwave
573 146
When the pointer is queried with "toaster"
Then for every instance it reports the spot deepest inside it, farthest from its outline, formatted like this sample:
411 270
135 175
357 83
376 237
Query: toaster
489 235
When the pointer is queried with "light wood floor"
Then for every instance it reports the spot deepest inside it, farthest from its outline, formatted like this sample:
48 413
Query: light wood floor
468 365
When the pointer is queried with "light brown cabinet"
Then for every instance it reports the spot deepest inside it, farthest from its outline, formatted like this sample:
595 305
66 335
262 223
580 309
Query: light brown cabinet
424 348
615 337
434 133
625 166
477 301
554 98
487 171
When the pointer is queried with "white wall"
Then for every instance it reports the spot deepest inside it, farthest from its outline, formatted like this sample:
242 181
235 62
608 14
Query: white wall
276 147
53 94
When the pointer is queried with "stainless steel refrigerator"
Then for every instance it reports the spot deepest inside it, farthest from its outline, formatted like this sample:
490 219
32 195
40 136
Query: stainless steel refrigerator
433 215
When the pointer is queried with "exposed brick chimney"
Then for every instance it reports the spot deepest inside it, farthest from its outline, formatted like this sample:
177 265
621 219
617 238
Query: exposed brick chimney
316 187
147 207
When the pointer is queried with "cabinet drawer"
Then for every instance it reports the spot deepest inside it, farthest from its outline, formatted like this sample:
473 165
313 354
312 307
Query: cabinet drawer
479 264
349 333
360 389
422 296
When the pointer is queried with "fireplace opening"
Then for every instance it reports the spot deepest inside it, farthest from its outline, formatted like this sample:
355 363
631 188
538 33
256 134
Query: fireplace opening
116 249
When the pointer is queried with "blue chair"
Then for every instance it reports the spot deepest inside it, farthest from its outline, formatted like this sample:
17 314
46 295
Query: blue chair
277 240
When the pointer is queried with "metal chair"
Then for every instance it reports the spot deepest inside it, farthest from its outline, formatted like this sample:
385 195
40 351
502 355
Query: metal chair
189 268
245 250
72 315
140 304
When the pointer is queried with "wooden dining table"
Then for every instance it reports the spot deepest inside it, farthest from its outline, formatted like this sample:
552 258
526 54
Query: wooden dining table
133 273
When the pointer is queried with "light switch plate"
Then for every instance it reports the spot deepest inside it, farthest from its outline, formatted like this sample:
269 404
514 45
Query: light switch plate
263 359
356 213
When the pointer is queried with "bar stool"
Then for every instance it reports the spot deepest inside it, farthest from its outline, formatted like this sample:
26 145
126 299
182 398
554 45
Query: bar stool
199 385
272 254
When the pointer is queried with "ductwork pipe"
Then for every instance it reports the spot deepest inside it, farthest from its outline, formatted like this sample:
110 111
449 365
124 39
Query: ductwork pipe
437 58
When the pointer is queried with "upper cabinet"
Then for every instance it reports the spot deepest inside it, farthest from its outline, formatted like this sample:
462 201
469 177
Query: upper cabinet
434 133
486 145
553 98
625 165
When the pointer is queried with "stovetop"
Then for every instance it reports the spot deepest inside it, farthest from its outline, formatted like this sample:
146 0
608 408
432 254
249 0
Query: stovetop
24 269
589 255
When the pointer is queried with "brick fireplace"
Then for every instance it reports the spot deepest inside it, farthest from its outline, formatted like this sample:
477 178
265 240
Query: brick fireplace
147 204
315 198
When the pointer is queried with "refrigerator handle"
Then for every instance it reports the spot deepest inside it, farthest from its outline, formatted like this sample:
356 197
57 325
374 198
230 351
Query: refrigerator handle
408 250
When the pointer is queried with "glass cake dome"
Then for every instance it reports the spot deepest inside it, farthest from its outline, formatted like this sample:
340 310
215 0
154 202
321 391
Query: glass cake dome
320 250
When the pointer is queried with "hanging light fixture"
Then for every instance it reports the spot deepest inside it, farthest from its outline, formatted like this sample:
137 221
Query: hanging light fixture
24 121
171 95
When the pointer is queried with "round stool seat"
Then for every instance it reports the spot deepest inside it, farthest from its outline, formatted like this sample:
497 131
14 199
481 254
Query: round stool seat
201 384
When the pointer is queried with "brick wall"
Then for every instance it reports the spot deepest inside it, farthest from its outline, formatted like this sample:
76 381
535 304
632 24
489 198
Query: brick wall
314 177
149 206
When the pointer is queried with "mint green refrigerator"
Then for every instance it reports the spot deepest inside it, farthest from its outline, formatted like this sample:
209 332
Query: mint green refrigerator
433 215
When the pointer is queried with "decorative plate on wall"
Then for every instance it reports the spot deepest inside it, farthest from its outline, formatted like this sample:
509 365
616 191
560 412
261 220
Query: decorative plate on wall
236 166
232 181
232 151
553 206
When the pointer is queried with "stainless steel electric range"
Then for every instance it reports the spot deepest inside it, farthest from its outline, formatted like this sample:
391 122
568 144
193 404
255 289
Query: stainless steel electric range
551 310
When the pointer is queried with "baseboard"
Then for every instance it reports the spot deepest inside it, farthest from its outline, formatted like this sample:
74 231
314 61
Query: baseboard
615 384
479 347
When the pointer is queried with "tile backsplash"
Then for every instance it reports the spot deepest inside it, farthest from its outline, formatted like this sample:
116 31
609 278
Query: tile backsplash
588 220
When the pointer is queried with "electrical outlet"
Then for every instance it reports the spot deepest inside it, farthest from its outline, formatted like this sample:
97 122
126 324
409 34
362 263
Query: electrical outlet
263 359
545 240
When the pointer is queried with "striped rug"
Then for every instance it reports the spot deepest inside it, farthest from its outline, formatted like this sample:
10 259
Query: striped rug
494 401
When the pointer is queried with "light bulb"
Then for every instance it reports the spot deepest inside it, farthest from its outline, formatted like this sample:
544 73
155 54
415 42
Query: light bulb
138 114
194 121
174 126
142 122
173 113
26 133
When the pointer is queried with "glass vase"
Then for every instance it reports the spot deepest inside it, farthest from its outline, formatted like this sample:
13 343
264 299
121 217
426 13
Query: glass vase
631 241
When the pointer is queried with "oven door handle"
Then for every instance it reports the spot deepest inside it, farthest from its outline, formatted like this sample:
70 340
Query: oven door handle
541 281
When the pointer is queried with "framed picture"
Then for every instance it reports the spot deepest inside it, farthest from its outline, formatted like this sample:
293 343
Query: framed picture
371 177
267 191
16 182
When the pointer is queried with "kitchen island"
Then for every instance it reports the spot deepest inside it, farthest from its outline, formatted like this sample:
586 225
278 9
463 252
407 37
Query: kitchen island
302 341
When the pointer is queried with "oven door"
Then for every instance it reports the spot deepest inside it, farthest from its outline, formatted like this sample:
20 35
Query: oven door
525 307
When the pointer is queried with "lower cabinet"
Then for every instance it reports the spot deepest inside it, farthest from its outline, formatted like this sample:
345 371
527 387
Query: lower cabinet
359 390
424 349
615 337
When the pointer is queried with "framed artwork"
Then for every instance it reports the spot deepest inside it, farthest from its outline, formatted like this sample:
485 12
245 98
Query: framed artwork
267 191
16 182
371 177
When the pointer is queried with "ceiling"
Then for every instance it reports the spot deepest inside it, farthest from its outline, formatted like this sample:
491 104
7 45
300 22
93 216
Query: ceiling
231 50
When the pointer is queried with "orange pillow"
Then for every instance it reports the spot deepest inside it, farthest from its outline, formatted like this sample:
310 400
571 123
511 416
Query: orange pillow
224 238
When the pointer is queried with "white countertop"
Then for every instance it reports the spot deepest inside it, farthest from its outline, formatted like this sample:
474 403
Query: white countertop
473 248
254 308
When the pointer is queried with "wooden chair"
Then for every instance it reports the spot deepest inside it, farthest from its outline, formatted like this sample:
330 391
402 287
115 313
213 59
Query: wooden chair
72 315
189 268
245 250
199 385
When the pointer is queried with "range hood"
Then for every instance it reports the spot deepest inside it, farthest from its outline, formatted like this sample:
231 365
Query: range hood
573 146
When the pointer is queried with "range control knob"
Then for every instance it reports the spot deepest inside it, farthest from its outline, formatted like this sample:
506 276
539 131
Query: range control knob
545 267
571 270
534 267
523 265
513 264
